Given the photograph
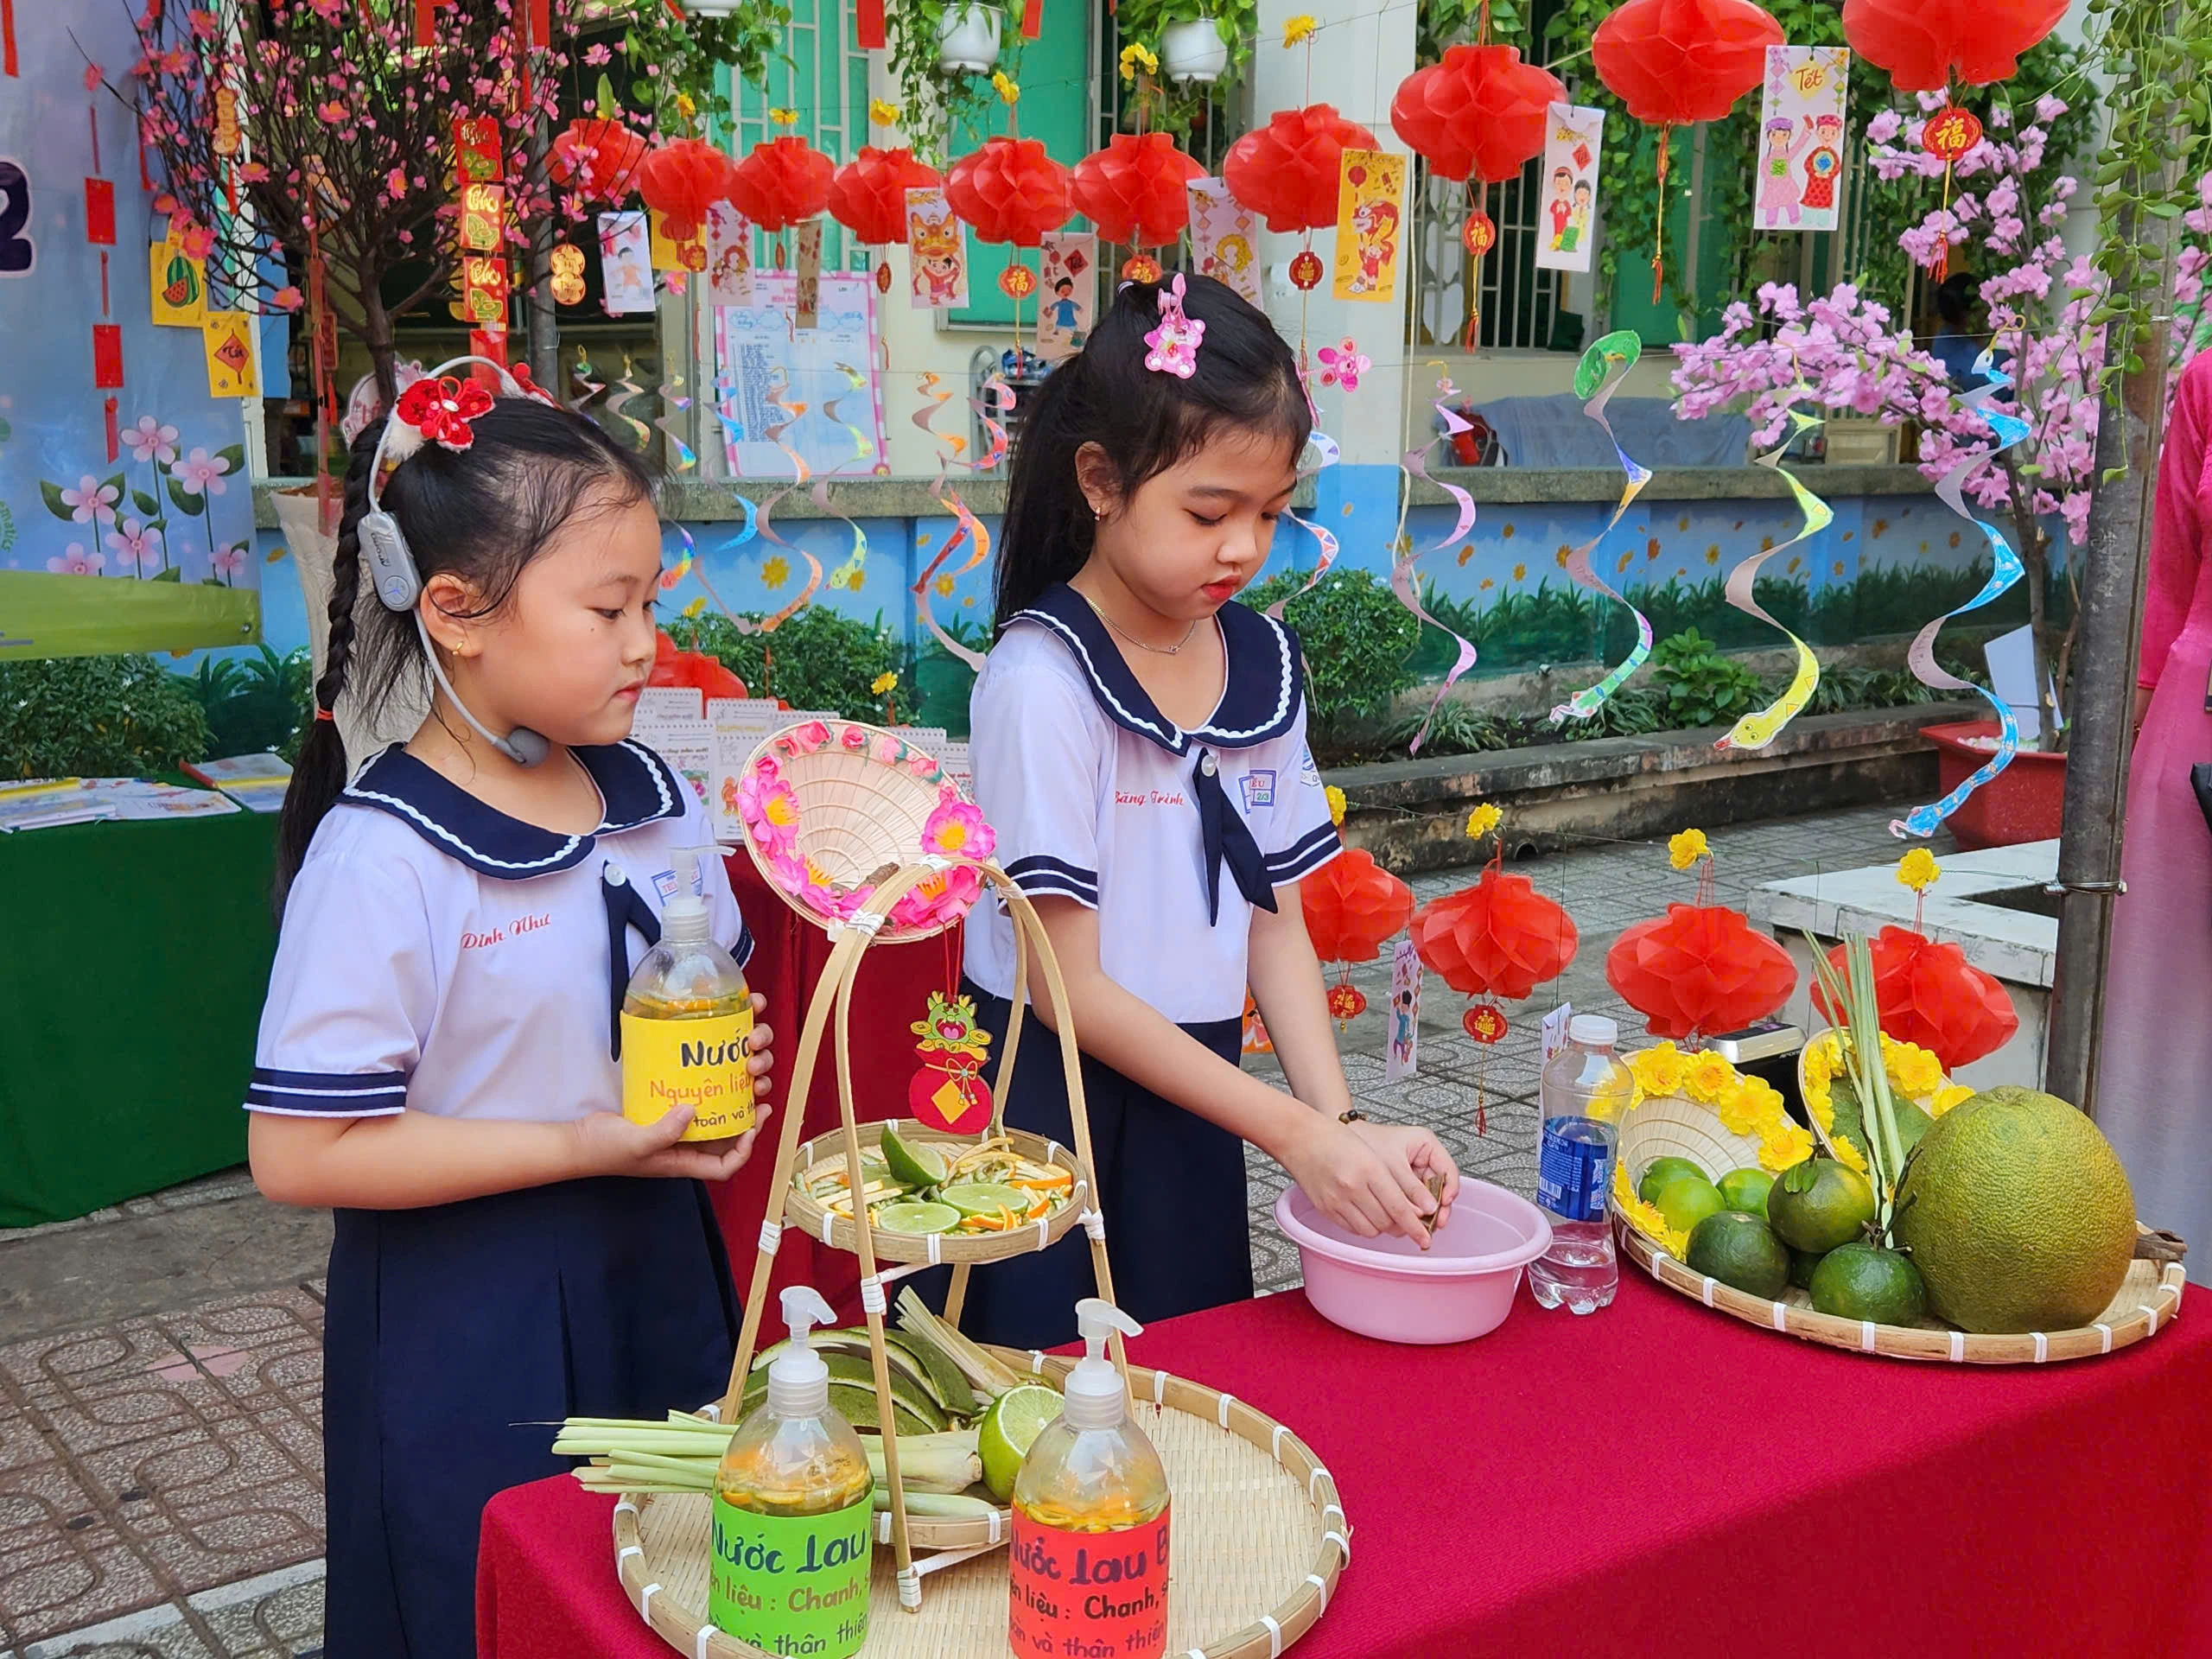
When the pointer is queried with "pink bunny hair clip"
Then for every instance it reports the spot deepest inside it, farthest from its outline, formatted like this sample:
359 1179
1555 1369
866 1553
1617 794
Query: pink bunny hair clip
1175 342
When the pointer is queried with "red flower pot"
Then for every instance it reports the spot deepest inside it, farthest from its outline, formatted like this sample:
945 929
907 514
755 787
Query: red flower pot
2025 802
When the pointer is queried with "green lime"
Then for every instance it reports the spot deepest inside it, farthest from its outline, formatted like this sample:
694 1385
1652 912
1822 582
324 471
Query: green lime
985 1197
1746 1190
913 1217
1741 1251
1659 1172
1864 1281
1820 1203
1802 1265
1687 1200
1009 1428
919 1164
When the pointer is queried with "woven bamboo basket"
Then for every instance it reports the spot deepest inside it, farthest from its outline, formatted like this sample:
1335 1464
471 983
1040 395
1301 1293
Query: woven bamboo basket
1261 1540
826 1152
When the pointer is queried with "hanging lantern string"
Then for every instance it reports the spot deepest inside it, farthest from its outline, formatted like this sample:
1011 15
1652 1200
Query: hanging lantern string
1659 224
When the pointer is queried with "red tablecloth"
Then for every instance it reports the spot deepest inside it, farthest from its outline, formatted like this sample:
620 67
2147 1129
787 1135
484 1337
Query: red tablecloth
788 957
1653 1479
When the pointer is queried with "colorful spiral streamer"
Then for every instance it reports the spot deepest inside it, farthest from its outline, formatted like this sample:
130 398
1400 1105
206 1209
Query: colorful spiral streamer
1603 367
1760 727
1403 580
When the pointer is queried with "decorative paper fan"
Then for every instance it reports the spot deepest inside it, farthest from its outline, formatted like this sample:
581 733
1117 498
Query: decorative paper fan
831 808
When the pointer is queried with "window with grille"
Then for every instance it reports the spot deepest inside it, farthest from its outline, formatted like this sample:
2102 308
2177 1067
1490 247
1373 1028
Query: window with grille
826 81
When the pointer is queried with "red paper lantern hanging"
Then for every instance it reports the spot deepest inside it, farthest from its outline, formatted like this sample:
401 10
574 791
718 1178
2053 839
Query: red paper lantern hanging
1925 43
692 668
1479 115
1676 61
1930 996
1010 190
867 195
784 182
597 158
1133 190
1699 968
680 180
1352 903
1499 938
1286 171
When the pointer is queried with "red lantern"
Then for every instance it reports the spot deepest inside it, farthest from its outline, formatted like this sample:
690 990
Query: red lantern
784 182
868 195
1010 190
1700 968
598 158
1352 903
692 668
680 180
1479 114
1675 61
1499 938
1133 190
1286 171
1930 996
1923 43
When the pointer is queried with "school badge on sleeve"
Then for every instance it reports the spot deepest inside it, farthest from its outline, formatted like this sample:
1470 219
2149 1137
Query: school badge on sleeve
949 1092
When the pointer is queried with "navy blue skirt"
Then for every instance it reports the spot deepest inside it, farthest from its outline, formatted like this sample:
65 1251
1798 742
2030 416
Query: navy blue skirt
452 1335
1176 1232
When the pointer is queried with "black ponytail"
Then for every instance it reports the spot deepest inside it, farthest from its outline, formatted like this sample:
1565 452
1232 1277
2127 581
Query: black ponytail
482 514
1146 422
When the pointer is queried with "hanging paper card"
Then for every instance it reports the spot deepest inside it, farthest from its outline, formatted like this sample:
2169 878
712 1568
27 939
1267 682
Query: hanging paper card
1567 218
936 251
1069 292
99 212
1800 138
492 343
483 291
483 217
179 284
1224 238
1370 184
729 256
107 355
568 262
668 253
228 337
1403 1059
476 149
625 269
806 310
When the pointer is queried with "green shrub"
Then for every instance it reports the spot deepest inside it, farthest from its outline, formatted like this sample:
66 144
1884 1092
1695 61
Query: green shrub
256 703
1701 686
97 717
819 659
1358 641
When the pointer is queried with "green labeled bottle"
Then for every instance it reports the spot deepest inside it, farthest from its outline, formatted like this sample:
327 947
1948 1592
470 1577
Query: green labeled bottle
794 1518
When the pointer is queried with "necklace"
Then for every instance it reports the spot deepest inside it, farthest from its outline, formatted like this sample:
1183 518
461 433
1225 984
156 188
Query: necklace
1157 651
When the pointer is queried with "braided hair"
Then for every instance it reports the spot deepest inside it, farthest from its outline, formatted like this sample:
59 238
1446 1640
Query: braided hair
482 514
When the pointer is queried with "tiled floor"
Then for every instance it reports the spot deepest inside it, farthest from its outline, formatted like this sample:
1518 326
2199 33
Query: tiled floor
161 1477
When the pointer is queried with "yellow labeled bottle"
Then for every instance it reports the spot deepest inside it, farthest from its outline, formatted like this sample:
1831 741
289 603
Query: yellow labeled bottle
794 1511
686 1018
1088 1560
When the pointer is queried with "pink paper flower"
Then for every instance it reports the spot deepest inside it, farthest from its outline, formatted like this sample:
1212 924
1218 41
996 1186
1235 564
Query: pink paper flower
853 738
200 474
597 53
941 897
957 830
137 547
229 563
288 298
812 736
75 561
92 501
769 807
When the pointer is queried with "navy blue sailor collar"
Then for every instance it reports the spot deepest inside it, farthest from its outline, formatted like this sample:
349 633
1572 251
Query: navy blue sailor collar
634 784
1261 701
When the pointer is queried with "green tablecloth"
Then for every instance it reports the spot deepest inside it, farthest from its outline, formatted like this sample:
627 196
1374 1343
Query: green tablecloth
133 958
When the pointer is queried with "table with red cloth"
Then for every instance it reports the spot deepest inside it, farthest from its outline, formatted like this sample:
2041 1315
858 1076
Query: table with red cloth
1655 1479
789 953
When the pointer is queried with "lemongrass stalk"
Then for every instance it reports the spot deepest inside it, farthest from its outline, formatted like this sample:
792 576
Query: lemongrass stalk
1863 962
977 1366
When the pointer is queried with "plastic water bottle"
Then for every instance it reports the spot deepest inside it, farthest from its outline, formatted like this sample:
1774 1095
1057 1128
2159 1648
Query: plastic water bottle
1584 1092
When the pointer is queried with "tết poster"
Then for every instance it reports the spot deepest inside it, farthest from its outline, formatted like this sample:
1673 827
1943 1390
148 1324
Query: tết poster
1567 207
1067 297
228 338
1370 211
1800 138
936 251
1224 238
625 264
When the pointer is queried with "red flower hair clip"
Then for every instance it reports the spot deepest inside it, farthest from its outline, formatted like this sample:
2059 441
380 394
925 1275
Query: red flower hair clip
436 412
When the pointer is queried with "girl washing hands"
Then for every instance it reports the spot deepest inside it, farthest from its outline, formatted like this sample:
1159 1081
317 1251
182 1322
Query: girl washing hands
1139 743
435 1061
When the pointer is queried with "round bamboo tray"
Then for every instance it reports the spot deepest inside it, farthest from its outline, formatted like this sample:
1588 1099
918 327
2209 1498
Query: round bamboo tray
1260 1540
840 1232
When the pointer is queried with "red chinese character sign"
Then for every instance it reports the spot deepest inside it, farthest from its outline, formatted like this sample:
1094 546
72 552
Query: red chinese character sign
1949 136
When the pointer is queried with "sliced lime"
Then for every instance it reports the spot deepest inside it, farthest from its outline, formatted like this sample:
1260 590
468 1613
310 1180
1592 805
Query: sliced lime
917 1165
1009 1428
986 1198
912 1217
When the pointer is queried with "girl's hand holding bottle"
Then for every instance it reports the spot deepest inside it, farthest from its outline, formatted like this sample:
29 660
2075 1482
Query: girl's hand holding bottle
610 1144
1374 1178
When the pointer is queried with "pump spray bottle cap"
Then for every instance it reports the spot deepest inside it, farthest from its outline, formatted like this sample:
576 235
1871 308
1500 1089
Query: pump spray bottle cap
798 1382
1095 1395
683 918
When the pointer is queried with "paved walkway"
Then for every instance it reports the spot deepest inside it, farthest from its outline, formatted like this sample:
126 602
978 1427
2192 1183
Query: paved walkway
161 1463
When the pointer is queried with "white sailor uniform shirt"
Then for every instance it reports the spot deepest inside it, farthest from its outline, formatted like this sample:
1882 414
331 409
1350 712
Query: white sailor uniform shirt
1170 836
438 955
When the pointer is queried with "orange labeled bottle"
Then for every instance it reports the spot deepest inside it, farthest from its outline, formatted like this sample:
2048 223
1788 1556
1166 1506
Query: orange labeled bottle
1089 1561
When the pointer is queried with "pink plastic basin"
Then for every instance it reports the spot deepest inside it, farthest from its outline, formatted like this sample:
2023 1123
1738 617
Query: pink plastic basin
1461 1288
